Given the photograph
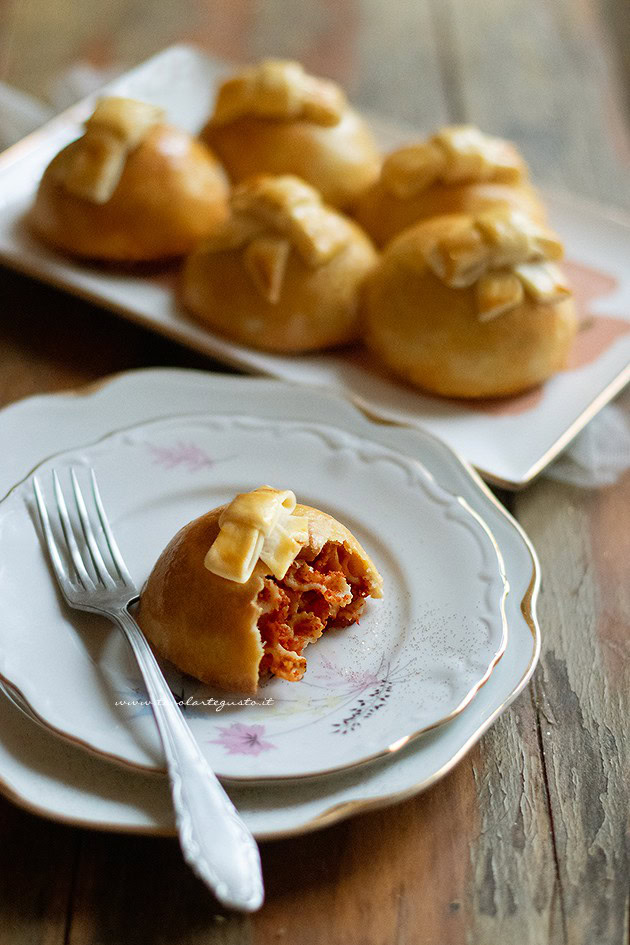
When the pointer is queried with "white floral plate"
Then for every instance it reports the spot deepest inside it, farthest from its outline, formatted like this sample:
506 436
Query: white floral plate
54 778
415 660
510 440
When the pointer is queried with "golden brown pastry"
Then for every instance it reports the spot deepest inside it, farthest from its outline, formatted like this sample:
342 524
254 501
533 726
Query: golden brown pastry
274 118
457 170
131 189
469 306
240 592
284 272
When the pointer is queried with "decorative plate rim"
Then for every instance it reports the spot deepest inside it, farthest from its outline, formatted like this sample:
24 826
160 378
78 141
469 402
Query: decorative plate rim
337 812
322 429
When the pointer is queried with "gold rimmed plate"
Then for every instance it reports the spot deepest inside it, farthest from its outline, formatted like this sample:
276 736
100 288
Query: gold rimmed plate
54 778
414 662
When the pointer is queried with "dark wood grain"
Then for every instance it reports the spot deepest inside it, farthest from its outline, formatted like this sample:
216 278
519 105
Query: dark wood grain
52 341
37 873
574 133
583 698
137 890
527 840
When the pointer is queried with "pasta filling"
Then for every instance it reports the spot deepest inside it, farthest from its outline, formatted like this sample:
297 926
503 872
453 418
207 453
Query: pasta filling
313 595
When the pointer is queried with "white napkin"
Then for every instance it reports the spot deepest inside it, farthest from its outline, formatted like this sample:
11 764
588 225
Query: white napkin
598 456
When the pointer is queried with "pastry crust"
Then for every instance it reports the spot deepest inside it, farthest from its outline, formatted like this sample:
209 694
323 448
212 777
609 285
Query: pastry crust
207 625
171 193
471 326
332 149
291 268
260 525
408 191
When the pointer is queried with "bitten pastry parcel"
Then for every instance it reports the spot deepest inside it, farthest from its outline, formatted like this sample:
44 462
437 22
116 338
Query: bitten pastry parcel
240 592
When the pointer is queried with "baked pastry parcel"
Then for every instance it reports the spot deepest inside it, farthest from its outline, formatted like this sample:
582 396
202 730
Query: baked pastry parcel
131 189
472 306
275 118
239 593
284 273
457 170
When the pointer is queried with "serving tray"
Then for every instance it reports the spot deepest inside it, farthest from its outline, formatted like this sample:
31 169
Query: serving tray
509 441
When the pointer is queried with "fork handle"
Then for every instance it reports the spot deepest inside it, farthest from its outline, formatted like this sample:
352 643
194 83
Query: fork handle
215 842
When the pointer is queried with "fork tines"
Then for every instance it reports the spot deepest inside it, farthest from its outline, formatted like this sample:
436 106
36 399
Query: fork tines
82 548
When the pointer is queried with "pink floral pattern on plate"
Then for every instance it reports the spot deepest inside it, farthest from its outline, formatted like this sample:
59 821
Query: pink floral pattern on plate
239 739
188 455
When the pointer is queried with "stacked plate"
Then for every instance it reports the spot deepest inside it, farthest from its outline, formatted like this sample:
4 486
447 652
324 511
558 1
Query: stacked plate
386 707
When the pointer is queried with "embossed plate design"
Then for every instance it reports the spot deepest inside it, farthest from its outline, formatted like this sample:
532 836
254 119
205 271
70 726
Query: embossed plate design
415 660
55 778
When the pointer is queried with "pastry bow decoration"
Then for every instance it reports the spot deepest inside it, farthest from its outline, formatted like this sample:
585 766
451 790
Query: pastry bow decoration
455 155
258 525
93 168
270 215
504 255
279 89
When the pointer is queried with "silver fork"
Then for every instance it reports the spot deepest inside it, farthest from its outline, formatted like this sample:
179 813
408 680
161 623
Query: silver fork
215 842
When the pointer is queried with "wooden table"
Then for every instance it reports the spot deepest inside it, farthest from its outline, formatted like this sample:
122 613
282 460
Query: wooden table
527 840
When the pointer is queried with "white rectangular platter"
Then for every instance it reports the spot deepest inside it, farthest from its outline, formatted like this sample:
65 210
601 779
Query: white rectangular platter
509 441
